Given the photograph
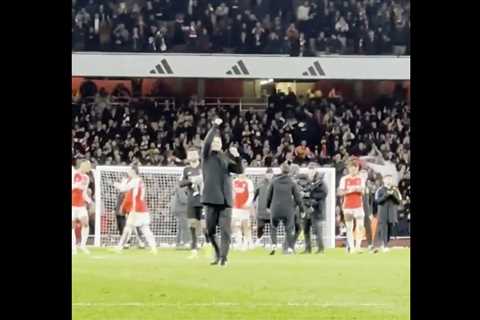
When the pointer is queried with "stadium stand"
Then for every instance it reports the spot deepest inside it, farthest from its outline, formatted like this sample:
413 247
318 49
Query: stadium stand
114 129
288 27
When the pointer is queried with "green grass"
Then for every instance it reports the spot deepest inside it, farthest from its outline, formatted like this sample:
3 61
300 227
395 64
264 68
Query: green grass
136 285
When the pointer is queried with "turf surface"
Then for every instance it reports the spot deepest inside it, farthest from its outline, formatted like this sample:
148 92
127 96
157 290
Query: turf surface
136 285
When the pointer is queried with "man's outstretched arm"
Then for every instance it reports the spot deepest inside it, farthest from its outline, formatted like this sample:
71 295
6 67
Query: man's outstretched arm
207 143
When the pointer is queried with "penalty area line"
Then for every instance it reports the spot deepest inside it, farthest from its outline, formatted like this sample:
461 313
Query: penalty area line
223 304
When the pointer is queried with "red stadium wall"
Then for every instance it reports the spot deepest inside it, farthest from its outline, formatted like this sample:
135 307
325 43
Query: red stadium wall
224 87
344 88
364 91
109 85
189 87
165 87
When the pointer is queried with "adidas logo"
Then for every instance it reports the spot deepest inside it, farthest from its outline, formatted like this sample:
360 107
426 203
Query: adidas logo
311 70
235 69
159 69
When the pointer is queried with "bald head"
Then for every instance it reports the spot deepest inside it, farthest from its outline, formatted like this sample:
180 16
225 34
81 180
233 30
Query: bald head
285 168
85 166
388 180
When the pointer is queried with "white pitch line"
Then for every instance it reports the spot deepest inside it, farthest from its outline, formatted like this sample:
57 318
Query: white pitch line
225 304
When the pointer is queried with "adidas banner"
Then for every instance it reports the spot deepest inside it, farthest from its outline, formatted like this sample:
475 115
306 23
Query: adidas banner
240 66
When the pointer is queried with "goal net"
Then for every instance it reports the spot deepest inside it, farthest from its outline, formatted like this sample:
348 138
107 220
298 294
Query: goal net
160 185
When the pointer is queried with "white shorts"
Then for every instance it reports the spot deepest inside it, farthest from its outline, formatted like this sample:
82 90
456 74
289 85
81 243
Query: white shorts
138 219
79 213
240 218
357 213
240 215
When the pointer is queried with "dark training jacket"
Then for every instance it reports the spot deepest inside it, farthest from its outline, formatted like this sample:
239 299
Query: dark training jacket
261 198
282 197
318 194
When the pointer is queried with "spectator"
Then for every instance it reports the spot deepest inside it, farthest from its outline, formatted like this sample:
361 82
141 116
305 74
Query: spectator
370 44
302 152
258 37
203 43
273 44
400 35
243 41
192 36
121 38
178 32
151 46
334 46
384 42
341 26
293 38
321 44
303 16
221 12
349 21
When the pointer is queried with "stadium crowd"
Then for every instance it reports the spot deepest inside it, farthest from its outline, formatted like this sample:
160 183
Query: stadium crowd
294 27
303 129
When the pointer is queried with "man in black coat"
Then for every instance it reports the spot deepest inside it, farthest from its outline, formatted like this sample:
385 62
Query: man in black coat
263 213
217 189
283 196
388 199
317 193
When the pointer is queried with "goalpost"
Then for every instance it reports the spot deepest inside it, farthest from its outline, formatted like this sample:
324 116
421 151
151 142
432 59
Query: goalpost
160 183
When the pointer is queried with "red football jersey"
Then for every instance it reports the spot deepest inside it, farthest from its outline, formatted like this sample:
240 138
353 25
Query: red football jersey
80 183
134 197
240 191
352 200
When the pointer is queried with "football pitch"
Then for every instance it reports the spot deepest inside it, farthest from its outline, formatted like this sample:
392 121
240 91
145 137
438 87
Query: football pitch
136 285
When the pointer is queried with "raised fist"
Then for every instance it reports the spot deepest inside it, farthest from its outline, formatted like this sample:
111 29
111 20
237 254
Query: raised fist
218 122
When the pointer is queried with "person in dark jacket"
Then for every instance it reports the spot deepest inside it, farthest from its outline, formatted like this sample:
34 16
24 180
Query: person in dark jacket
302 181
179 211
317 193
217 189
282 197
120 216
192 180
260 197
368 208
388 198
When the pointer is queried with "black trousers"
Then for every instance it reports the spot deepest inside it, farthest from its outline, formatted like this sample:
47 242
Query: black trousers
289 225
384 231
297 224
315 224
261 223
121 221
219 216
183 231
367 223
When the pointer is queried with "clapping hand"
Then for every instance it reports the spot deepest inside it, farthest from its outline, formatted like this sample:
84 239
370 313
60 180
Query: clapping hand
217 122
234 152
